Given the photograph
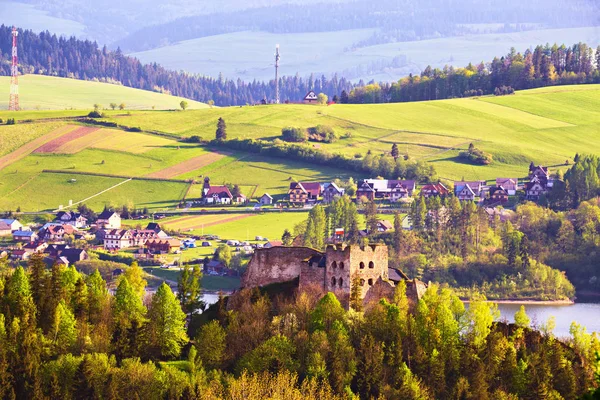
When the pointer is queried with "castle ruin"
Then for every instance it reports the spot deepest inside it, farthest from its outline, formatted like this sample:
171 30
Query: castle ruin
335 270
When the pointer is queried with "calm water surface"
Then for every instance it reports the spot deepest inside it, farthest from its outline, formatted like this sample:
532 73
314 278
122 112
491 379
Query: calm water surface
586 314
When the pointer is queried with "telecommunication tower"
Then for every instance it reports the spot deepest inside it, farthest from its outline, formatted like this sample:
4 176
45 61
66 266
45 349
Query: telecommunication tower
277 57
13 104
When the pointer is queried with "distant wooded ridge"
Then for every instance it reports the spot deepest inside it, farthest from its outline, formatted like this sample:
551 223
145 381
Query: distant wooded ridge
47 54
395 20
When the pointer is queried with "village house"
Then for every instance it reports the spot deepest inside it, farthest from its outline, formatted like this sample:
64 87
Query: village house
434 189
475 186
14 224
5 229
331 191
366 190
304 192
398 193
310 98
163 246
265 200
38 247
511 185
25 236
218 195
74 255
498 195
19 254
71 218
539 182
465 193
240 199
117 239
109 220
53 232
384 226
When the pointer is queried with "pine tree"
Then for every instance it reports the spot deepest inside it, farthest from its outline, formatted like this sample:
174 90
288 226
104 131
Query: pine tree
221 133
371 218
524 252
356 302
395 152
344 97
286 238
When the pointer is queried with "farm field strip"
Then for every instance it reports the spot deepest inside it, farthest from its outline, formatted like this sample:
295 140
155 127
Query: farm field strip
30 147
196 221
130 142
190 165
56 145
221 222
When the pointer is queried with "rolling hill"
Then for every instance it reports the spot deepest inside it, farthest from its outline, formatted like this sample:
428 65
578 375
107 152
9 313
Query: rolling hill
50 163
39 92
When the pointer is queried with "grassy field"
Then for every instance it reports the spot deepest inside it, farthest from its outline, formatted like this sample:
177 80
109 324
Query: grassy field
51 93
547 126
330 52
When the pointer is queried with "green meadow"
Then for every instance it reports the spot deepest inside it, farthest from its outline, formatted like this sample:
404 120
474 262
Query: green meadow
547 126
38 92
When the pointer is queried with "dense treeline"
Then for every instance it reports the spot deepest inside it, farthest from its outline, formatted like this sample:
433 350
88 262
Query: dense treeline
580 183
48 54
428 19
544 66
62 335
371 165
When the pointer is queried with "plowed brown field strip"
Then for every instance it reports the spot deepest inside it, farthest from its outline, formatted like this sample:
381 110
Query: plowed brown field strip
54 145
187 166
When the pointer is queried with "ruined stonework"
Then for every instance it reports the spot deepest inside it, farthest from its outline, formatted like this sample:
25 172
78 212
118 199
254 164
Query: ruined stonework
335 270
275 265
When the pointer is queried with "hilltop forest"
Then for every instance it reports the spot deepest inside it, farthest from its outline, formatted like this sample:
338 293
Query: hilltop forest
64 336
48 54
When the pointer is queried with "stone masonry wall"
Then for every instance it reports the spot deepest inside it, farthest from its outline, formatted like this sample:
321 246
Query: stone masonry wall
276 264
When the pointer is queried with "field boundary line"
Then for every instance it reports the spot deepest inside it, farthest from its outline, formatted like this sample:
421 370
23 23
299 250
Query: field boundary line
534 114
22 185
97 194
134 178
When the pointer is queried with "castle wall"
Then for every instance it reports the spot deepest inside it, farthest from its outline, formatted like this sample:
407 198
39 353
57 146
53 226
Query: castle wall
276 264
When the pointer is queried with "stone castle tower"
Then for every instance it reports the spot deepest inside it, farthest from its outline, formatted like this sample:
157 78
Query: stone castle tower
342 266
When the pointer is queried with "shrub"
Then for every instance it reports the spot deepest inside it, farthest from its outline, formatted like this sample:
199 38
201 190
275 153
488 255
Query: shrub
293 134
476 156
134 129
193 139
95 114
322 133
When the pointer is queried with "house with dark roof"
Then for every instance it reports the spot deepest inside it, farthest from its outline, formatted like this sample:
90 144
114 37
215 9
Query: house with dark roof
109 220
55 232
74 255
331 191
511 185
399 192
310 98
218 195
163 246
498 195
365 189
71 218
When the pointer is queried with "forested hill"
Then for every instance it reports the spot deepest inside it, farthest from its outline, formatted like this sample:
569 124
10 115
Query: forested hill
48 54
545 66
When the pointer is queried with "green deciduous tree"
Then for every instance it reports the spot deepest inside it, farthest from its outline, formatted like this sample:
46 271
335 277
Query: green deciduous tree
521 318
211 343
166 324
64 332
189 290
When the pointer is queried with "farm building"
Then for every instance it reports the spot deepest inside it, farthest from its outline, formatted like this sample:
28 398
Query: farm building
109 220
265 199
310 98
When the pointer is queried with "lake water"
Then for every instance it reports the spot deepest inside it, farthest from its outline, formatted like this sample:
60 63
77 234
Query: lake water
586 314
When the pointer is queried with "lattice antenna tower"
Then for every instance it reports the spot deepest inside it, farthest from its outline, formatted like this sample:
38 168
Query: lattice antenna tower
277 57
13 104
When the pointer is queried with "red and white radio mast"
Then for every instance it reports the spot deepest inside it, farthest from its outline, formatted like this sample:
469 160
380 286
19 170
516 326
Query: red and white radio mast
13 104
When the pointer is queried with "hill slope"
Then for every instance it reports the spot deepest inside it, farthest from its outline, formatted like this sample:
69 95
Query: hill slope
52 93
46 164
